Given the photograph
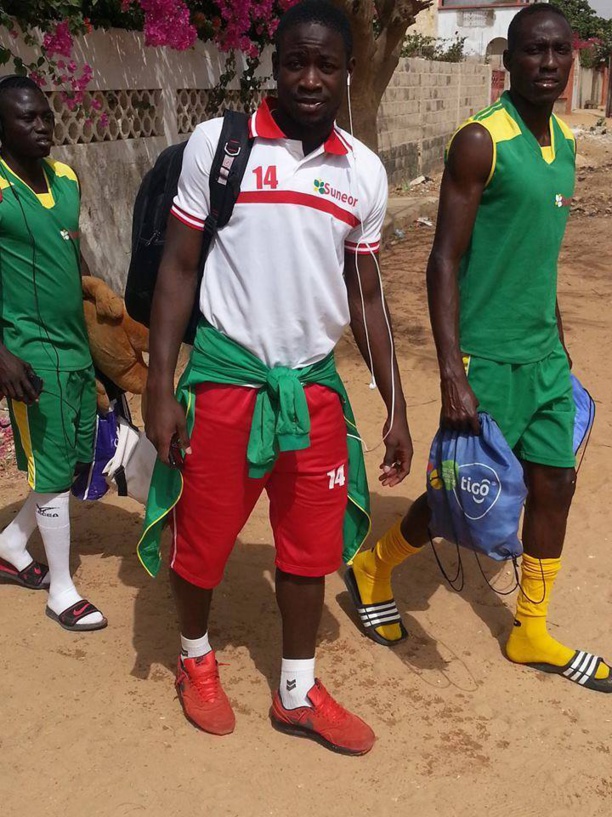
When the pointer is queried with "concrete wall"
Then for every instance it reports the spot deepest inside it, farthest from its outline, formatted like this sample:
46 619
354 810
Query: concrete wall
588 87
424 103
111 170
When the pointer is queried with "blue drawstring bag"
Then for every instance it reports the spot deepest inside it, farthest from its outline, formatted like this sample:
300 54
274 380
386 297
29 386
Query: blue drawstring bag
476 490
91 484
585 413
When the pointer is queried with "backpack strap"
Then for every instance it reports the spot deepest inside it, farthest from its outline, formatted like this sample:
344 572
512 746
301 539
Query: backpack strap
227 170
226 174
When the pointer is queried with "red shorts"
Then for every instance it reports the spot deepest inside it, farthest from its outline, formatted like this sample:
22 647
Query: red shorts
307 489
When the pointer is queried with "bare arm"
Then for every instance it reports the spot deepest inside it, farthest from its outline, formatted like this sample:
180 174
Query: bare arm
398 455
464 180
172 305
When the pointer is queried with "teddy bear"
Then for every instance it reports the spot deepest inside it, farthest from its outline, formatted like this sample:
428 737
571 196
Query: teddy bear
117 342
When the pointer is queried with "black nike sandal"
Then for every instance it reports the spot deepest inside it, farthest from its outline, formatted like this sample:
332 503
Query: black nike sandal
70 617
33 576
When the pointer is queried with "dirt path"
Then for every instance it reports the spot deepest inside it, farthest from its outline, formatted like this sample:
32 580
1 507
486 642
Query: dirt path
90 724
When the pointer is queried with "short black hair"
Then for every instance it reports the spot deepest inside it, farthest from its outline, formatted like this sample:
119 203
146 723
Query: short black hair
15 82
316 11
514 29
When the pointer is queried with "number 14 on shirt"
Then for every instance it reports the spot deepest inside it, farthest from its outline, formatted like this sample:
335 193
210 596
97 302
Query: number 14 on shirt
266 177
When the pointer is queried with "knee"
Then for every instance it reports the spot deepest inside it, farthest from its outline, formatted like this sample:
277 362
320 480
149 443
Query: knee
554 487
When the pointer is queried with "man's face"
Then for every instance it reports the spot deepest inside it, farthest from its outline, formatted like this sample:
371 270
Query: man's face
310 69
542 59
27 123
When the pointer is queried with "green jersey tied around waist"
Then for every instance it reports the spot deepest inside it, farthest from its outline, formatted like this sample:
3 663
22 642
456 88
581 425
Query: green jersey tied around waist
508 276
41 300
281 422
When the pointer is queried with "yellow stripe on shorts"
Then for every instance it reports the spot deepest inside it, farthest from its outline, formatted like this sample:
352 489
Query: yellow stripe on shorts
20 411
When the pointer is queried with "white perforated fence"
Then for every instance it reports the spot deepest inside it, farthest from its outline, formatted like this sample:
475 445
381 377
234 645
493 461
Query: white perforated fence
192 106
106 116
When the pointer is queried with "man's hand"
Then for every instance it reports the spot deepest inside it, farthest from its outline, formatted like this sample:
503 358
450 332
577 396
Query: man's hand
166 427
15 380
398 457
459 405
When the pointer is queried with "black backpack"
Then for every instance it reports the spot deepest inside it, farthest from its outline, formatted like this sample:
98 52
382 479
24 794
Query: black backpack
152 208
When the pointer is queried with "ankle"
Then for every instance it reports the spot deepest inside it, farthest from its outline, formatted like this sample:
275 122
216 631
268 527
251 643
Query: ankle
15 554
296 681
195 647
370 564
60 600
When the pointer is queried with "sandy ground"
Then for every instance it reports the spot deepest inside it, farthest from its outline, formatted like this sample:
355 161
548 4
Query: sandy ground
90 723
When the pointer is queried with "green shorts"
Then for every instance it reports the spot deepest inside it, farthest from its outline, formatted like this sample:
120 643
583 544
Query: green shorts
532 403
58 431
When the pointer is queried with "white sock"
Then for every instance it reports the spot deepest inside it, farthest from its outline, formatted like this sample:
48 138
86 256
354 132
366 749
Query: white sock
297 679
53 520
195 647
14 538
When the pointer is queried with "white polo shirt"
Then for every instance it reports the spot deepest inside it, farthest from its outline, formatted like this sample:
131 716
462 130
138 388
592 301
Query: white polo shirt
274 276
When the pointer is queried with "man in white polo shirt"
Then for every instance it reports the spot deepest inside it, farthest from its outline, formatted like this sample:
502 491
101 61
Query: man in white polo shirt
260 406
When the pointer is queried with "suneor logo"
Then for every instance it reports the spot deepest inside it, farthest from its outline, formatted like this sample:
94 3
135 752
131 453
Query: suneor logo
325 189
562 201
477 489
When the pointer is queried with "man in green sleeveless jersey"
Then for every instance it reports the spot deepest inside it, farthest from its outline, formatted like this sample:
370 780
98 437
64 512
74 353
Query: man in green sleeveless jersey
492 283
46 371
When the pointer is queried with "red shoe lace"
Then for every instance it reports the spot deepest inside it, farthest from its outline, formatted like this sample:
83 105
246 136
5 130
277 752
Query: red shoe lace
330 709
207 684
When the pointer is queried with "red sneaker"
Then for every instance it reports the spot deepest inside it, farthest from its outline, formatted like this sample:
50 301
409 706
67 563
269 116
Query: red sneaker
204 702
326 721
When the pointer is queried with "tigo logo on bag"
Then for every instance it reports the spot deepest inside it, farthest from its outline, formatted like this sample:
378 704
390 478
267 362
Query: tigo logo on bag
477 490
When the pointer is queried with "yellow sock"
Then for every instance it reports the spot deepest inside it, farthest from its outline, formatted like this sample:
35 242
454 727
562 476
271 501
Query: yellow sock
529 641
372 570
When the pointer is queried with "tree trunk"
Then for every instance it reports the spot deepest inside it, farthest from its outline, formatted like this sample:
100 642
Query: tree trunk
376 57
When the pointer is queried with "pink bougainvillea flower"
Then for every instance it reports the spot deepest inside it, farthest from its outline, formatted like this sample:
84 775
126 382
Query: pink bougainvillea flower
59 41
167 22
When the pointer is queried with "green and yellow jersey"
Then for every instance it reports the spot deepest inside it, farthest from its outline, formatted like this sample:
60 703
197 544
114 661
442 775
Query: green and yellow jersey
41 302
508 276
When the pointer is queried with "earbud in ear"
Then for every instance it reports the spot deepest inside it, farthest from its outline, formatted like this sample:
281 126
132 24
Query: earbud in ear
348 80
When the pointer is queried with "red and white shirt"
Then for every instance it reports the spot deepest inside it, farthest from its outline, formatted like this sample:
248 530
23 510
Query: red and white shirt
274 276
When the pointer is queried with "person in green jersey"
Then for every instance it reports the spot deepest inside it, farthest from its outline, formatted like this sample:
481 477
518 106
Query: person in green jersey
492 284
46 371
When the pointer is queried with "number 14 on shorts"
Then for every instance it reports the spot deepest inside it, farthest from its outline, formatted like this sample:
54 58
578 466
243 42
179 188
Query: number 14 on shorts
336 477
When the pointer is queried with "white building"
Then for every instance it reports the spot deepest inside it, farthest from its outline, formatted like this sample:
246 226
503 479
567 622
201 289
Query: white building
483 24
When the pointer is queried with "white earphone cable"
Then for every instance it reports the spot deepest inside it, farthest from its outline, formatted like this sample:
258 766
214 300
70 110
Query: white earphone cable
362 241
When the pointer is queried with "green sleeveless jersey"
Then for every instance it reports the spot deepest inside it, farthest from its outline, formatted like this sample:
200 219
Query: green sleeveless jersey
508 276
41 301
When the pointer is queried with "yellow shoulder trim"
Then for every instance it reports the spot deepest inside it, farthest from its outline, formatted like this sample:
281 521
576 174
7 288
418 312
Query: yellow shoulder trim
501 126
473 121
60 169
566 131
4 183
